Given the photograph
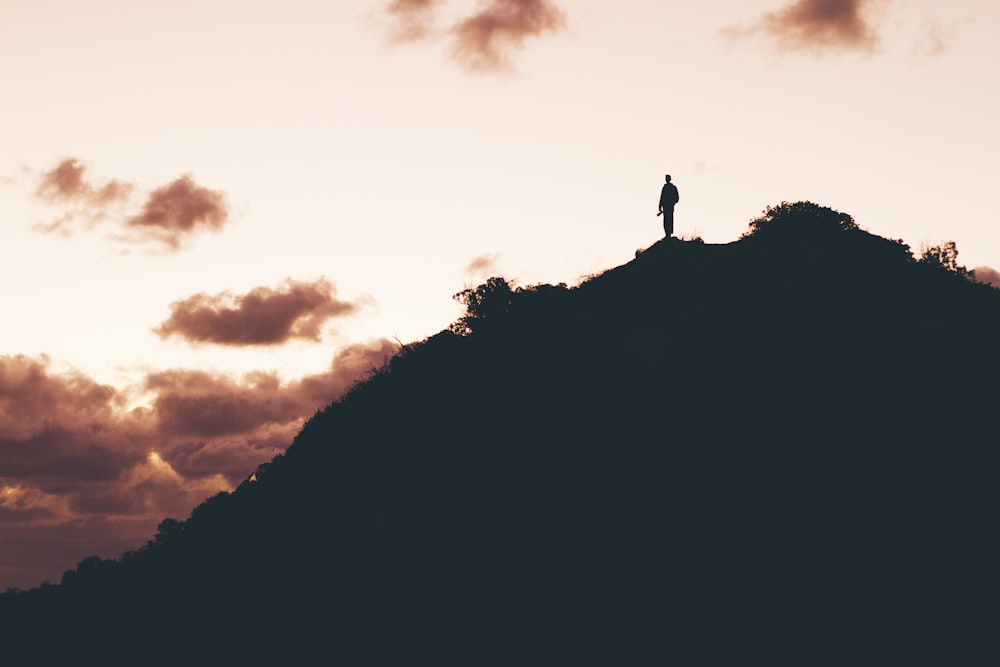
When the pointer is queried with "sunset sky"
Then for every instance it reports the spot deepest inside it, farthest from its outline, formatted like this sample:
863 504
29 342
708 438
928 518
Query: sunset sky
217 215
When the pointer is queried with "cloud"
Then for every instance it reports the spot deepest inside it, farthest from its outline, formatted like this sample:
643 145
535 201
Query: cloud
178 209
937 39
32 400
987 275
484 40
482 266
817 25
349 365
411 18
81 473
32 552
66 181
263 316
67 184
192 403
168 215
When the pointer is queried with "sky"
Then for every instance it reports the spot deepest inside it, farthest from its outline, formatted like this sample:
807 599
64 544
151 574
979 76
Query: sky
218 215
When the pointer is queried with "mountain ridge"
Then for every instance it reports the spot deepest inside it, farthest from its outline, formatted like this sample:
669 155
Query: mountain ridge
770 449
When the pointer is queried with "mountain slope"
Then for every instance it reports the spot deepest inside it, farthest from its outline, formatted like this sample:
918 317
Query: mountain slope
779 450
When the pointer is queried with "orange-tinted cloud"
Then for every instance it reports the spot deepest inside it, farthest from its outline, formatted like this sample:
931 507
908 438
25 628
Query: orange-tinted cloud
987 275
32 552
66 181
817 25
263 316
411 18
482 266
484 40
32 400
193 403
80 473
168 215
178 209
68 185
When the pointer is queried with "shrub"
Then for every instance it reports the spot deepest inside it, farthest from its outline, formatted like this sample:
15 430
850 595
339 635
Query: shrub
802 218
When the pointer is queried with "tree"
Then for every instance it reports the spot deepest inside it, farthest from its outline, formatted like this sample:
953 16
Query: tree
496 301
945 256
168 528
484 305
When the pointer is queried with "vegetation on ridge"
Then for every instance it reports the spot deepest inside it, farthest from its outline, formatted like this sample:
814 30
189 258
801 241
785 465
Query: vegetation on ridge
766 451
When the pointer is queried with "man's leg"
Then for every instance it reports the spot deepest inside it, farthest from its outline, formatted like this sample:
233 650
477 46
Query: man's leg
668 222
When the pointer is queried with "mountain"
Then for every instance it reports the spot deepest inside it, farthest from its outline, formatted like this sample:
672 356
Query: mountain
777 451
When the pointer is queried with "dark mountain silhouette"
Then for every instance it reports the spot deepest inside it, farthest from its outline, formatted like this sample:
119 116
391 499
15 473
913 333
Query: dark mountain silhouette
776 451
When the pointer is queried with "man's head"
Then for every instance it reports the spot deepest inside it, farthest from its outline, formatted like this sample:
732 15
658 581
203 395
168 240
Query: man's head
668 178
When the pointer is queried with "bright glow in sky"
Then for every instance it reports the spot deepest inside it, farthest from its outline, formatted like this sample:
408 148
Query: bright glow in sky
372 171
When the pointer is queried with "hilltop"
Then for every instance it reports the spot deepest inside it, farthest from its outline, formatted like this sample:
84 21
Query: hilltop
775 451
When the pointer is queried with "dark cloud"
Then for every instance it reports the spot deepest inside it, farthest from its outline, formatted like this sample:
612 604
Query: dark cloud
32 400
73 455
204 405
817 25
199 404
59 431
168 215
484 40
987 275
411 19
231 457
32 552
350 364
263 316
178 209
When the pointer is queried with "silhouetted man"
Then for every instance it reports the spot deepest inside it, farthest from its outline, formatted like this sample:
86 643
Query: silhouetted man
668 197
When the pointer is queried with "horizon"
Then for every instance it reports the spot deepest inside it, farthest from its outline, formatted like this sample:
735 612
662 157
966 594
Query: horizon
220 218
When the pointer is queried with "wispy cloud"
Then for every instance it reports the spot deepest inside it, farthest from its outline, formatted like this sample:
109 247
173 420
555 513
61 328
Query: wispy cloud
483 266
66 181
411 19
480 41
168 215
817 25
936 40
484 40
263 316
73 456
80 198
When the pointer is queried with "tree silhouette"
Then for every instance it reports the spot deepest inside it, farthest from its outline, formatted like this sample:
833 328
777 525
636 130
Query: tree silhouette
484 305
801 218
945 256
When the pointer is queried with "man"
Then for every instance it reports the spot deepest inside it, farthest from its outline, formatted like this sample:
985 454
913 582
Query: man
668 197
